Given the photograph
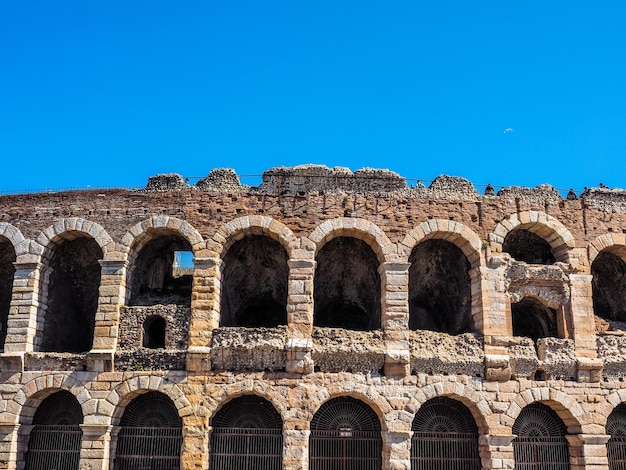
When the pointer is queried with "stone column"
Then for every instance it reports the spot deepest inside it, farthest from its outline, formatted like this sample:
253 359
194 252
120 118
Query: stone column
205 299
579 312
195 450
300 315
397 450
23 314
95 446
8 446
395 317
295 449
496 451
588 451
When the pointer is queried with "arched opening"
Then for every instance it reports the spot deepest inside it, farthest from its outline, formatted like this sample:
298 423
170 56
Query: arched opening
540 441
55 439
254 283
247 435
445 436
533 319
609 286
72 293
7 272
526 246
347 286
345 434
439 288
156 277
616 446
151 434
154 332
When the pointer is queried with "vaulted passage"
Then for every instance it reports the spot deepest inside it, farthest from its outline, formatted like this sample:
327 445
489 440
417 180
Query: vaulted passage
609 286
7 272
151 434
533 319
347 286
540 441
616 447
254 283
154 278
247 435
445 436
345 434
72 290
439 288
524 245
56 437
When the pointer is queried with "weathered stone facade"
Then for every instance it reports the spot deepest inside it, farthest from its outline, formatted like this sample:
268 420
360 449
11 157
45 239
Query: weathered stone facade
407 323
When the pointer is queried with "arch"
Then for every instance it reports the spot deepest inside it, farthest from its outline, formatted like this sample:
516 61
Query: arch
70 229
614 243
345 429
241 227
456 233
14 236
547 227
565 406
247 433
540 441
55 439
440 288
142 232
151 434
125 392
361 229
616 446
254 283
608 268
445 435
8 257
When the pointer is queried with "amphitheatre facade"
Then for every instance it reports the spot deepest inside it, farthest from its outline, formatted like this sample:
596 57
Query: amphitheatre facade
330 319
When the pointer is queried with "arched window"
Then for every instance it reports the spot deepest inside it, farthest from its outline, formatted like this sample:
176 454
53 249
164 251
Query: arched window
254 283
150 435
445 437
154 332
533 319
345 434
346 289
7 271
72 295
524 245
609 286
56 436
247 435
440 296
616 447
540 443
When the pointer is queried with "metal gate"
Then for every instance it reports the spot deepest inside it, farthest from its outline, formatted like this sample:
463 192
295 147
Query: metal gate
243 449
540 443
151 434
54 448
148 448
345 435
247 435
444 451
616 447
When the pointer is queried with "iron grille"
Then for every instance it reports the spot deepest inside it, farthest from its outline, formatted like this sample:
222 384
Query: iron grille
54 448
444 451
148 448
345 450
616 452
541 453
246 449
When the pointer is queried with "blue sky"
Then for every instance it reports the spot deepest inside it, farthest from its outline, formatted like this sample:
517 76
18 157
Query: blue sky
110 93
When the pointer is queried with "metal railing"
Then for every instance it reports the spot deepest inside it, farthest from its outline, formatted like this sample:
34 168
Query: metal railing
444 451
345 450
246 449
54 448
541 453
148 448
616 452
